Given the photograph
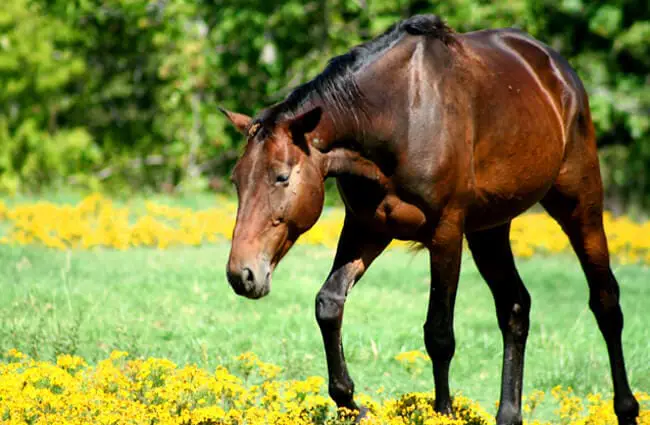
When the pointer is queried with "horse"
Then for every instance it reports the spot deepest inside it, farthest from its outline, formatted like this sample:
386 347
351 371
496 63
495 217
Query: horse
431 135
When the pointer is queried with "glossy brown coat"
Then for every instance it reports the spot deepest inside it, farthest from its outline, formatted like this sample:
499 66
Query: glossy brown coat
431 135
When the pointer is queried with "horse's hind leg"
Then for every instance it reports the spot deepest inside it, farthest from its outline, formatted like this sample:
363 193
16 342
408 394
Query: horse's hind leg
576 202
493 257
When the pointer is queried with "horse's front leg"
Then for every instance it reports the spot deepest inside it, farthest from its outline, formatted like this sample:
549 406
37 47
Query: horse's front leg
357 248
445 255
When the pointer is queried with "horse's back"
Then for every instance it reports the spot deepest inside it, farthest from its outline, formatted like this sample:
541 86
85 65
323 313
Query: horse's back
506 50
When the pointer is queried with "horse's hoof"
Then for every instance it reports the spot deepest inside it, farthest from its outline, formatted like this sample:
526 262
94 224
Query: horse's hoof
444 408
514 421
627 420
508 415
363 412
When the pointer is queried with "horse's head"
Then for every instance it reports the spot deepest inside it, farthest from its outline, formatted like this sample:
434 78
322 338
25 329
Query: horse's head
280 188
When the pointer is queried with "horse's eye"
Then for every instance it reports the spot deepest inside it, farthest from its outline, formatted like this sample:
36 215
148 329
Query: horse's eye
282 178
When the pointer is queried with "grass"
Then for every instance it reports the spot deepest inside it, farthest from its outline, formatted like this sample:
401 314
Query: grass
177 304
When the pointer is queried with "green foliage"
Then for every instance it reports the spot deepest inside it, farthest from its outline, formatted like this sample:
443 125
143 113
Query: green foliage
38 66
136 84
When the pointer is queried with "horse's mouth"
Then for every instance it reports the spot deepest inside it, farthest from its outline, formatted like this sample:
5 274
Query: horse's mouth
257 291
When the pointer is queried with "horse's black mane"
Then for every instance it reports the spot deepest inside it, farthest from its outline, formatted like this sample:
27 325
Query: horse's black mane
336 86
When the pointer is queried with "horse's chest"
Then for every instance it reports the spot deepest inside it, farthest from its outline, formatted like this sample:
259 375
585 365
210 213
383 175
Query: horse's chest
381 209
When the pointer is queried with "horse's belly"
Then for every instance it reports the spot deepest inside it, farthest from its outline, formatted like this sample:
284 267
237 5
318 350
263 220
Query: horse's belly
499 209
499 196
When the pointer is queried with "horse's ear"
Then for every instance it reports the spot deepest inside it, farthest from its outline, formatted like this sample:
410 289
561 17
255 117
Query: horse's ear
240 121
306 122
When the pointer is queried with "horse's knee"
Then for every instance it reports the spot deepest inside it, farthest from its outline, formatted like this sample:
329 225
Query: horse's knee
439 342
329 308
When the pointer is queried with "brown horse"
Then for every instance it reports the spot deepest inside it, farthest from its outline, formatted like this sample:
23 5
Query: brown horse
431 135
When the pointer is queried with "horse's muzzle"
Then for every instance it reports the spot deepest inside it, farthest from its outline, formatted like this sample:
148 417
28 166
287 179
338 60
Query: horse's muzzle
250 282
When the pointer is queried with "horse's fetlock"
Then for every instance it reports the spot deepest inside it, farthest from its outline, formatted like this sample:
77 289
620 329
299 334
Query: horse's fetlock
342 392
626 408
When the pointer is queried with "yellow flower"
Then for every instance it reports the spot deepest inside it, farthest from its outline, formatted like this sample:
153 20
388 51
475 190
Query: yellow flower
12 353
98 222
69 362
411 356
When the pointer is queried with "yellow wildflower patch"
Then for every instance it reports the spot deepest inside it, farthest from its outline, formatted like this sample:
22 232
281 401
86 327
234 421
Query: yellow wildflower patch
411 356
119 390
98 222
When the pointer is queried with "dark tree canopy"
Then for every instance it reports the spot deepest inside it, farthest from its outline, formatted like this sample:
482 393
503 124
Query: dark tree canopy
123 95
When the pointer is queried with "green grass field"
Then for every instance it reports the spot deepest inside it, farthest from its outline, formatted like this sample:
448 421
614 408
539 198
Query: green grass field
177 304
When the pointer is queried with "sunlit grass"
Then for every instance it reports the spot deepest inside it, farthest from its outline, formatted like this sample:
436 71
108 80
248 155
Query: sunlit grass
176 304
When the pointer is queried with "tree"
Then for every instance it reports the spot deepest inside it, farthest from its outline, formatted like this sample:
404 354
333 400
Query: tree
124 93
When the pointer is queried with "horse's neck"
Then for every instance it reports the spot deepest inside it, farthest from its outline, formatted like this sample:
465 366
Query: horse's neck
399 96
367 130
340 149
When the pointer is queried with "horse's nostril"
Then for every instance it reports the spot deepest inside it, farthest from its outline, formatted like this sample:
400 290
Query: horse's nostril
247 276
233 278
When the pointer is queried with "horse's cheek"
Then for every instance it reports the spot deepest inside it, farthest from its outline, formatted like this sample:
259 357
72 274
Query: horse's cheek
307 204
